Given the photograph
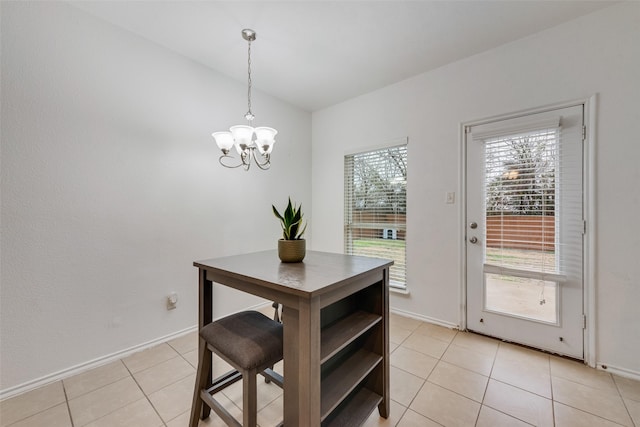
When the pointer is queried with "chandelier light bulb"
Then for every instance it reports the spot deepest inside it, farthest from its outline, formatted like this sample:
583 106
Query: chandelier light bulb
224 140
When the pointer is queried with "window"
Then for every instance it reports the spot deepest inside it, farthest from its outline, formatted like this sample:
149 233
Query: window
376 207
532 185
520 203
533 198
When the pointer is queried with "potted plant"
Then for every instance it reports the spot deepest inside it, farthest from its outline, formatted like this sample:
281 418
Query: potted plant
292 247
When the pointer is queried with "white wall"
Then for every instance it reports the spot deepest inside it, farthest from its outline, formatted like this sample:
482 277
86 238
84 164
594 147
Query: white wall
111 188
597 53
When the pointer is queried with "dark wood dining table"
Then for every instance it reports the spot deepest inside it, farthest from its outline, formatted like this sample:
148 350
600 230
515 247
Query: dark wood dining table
336 329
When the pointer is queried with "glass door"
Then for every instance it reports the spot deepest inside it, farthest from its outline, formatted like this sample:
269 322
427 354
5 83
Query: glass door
525 230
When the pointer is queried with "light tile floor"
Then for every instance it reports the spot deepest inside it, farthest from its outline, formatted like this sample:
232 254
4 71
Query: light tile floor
439 377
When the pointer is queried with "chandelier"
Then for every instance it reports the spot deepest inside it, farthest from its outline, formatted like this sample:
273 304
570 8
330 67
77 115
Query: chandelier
249 142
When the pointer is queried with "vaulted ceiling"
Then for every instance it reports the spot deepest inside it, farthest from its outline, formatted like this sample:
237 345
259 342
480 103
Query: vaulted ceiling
314 54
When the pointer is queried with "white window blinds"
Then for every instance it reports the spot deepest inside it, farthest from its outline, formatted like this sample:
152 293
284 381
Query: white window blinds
533 199
376 207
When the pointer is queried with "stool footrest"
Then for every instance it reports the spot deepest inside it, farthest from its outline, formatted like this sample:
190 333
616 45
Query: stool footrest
219 409
224 381
272 375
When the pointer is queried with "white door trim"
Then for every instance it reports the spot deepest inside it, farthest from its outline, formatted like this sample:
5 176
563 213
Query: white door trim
589 241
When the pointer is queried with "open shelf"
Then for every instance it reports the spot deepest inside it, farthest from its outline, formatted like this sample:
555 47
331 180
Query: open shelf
356 409
354 371
345 378
341 333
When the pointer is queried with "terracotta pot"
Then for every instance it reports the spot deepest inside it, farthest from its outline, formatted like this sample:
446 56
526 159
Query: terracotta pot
292 250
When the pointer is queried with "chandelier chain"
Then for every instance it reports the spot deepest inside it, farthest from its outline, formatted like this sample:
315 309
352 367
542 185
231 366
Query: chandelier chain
249 114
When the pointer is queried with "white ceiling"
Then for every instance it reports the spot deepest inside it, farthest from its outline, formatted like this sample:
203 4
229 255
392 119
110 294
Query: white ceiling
314 54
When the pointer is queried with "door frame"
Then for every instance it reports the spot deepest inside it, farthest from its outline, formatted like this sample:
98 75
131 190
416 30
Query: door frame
589 202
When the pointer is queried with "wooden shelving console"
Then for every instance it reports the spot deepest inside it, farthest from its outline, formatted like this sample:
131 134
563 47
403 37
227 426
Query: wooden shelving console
352 343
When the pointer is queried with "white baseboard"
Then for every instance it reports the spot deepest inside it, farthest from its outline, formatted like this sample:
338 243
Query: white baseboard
424 318
621 372
77 369
82 367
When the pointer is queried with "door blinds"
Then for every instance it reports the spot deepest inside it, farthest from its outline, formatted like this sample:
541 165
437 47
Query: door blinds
533 198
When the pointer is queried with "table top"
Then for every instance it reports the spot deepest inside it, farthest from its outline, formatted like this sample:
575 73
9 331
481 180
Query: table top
318 273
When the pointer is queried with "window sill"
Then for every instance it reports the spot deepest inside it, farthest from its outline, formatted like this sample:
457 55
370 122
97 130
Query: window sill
401 291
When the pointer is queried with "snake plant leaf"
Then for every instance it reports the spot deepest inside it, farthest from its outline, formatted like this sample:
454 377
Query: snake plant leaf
277 214
291 221
288 213
302 232
292 231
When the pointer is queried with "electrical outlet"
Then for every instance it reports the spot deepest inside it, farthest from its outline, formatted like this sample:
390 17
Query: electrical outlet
172 301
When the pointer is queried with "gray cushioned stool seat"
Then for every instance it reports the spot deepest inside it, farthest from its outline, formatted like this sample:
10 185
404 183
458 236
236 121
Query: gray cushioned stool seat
248 338
252 344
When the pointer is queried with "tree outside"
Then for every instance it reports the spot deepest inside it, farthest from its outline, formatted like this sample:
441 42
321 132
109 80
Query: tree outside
377 205
521 175
380 181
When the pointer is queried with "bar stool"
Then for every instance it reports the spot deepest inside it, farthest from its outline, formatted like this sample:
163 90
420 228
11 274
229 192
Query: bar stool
251 343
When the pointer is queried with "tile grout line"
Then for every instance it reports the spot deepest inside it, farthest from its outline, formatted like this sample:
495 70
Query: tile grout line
553 400
468 370
40 411
482 404
426 379
102 387
66 401
189 363
584 410
449 344
495 357
145 394
596 389
624 402
155 364
486 387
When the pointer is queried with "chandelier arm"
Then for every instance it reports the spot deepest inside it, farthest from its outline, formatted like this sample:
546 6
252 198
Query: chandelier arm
226 156
267 163
245 156
264 166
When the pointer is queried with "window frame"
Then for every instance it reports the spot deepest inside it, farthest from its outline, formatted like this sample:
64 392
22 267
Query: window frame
399 267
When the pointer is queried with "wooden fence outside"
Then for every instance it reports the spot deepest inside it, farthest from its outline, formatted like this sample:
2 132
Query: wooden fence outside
535 232
521 232
367 225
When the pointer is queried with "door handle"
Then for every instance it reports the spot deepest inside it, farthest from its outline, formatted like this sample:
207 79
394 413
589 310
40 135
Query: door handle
474 239
473 225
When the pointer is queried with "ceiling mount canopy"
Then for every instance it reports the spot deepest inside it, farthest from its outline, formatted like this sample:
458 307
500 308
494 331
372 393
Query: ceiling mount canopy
248 34
250 143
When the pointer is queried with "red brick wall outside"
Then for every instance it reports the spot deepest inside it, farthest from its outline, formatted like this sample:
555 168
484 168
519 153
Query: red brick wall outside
521 232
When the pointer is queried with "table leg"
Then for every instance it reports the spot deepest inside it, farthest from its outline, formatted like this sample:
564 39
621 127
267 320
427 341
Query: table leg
205 316
302 364
385 405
